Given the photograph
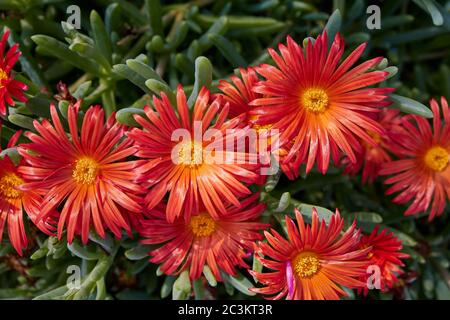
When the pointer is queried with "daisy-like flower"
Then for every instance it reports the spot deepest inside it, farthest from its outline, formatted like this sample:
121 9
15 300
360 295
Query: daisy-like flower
239 94
9 88
372 157
386 255
319 105
191 167
87 175
422 173
221 244
314 262
14 203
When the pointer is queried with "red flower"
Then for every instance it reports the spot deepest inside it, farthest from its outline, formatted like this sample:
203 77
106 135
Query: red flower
318 105
422 174
180 168
9 88
372 157
87 175
221 244
314 262
385 254
13 203
239 94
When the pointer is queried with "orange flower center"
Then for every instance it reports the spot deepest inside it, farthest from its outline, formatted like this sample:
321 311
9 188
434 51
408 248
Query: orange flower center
202 225
85 171
314 100
306 264
190 153
437 158
8 186
3 76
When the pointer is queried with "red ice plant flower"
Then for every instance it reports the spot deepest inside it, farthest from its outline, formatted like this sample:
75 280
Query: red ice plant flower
88 174
9 88
180 167
221 244
319 106
15 203
313 262
422 172
372 157
385 254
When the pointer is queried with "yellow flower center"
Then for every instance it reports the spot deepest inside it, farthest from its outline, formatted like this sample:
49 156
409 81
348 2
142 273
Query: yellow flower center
190 153
8 184
3 76
314 100
437 158
376 137
262 127
202 225
85 171
306 264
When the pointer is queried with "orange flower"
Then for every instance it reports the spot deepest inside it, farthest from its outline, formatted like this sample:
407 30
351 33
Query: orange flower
422 174
385 254
372 157
221 244
319 106
314 262
13 203
9 88
180 168
87 175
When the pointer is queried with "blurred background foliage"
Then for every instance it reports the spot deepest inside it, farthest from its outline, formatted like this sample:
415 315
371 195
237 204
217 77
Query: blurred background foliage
126 51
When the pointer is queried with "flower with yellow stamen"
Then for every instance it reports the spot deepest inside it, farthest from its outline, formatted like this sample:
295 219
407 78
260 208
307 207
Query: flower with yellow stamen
422 172
87 173
320 106
221 244
15 203
314 262
9 87
193 173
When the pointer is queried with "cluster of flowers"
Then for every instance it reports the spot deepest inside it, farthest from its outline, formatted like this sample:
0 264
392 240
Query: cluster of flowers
103 176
